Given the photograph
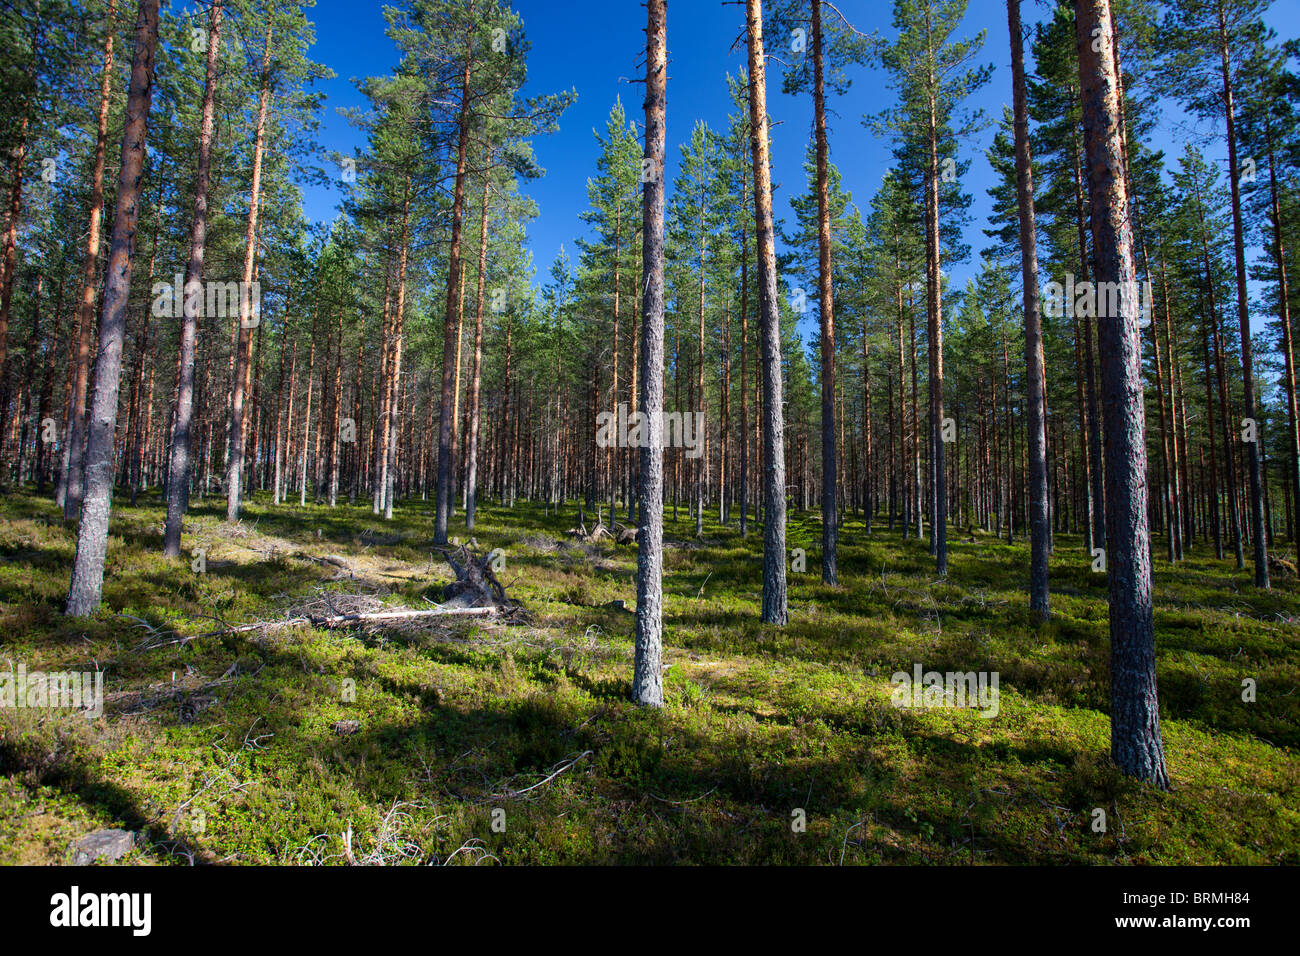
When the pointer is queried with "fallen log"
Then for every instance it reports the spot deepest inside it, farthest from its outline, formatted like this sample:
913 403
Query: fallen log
364 617
360 617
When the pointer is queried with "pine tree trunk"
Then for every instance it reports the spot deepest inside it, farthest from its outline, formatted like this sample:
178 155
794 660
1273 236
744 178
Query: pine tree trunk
775 607
243 337
744 392
1256 488
1039 529
1288 345
826 300
1136 744
647 673
476 373
87 584
178 467
1095 469
74 447
446 412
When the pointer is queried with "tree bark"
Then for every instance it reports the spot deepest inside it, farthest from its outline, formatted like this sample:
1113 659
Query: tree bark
647 673
446 424
243 338
74 447
1288 345
1258 537
1039 529
476 373
1136 744
826 300
86 587
178 466
775 603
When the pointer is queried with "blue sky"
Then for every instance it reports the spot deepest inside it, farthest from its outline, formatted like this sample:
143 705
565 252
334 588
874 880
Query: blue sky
594 47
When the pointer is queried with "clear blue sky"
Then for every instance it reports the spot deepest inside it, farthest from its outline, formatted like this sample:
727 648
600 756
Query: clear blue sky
594 47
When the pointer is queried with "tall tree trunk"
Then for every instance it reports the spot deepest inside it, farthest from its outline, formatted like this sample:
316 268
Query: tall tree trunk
647 673
7 268
47 392
476 373
87 584
1095 468
613 457
1258 537
1220 364
744 393
1288 345
74 446
1136 744
775 606
243 338
446 424
178 465
826 300
934 336
306 415
1039 529
702 403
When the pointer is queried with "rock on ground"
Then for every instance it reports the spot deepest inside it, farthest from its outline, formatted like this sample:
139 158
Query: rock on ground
106 845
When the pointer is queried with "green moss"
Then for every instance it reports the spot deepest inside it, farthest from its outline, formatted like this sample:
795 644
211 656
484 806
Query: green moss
234 748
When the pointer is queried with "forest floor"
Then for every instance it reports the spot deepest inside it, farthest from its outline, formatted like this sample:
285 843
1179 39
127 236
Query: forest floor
479 741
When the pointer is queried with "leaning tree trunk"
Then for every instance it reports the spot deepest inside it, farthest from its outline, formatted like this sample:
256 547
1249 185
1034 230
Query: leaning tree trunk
1039 528
1136 744
87 584
647 672
244 332
775 607
178 467
830 513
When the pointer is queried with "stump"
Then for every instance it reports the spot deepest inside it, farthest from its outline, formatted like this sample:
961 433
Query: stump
476 584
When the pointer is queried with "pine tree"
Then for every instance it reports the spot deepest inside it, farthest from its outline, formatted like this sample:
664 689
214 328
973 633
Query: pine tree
1136 744
86 587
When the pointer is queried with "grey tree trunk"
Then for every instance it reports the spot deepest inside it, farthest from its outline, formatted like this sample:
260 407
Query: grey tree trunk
1136 744
647 672
87 584
178 468
775 606
1039 528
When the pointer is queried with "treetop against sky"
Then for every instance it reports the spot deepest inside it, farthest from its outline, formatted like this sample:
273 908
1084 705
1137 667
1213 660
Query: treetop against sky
595 47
